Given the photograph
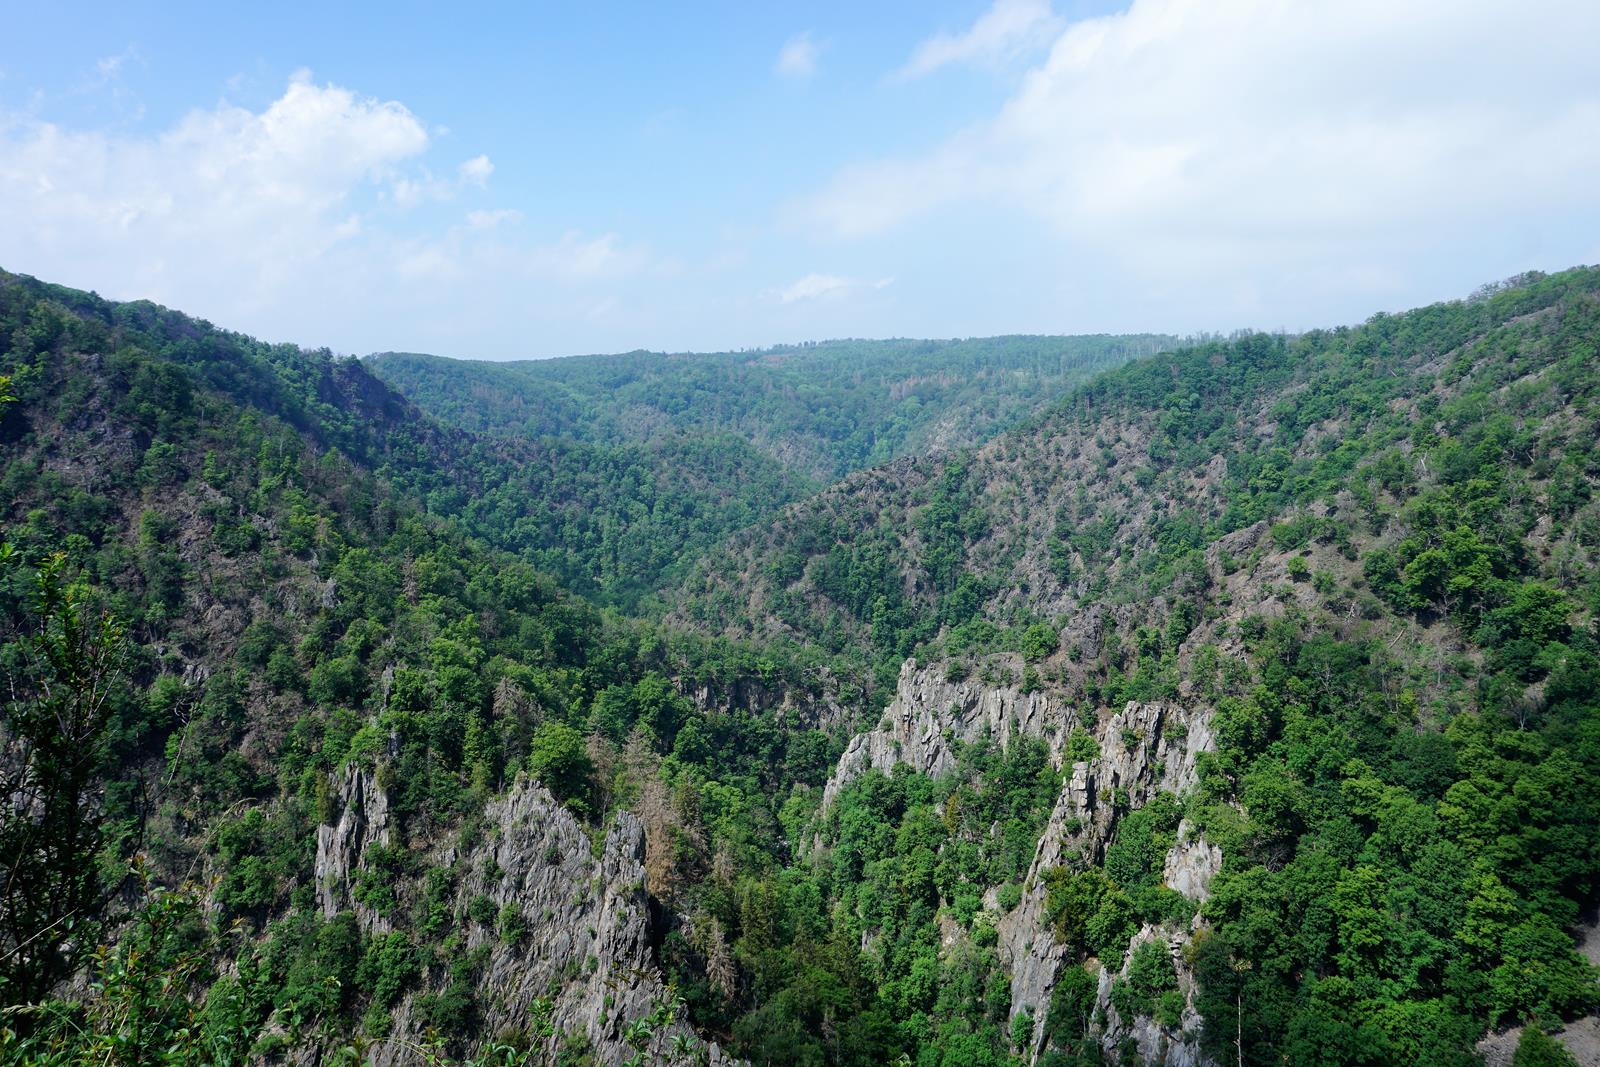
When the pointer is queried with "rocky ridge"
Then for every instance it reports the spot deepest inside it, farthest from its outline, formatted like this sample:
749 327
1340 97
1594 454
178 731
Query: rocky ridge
1145 749
931 712
583 962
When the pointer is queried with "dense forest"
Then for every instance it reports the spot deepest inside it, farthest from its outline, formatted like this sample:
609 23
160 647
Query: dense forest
821 410
1024 701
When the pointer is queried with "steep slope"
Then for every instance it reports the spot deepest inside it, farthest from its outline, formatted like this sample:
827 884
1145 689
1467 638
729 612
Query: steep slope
1323 607
615 521
1252 716
819 410
1105 498
307 702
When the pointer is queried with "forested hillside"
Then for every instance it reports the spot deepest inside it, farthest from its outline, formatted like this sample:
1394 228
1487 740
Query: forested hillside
225 608
1366 558
1240 707
821 410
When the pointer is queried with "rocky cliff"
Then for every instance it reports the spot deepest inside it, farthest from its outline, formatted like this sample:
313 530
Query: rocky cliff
581 962
930 711
1144 749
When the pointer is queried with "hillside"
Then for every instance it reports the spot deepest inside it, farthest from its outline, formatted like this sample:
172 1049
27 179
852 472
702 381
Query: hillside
1360 566
240 651
1102 498
1237 706
820 410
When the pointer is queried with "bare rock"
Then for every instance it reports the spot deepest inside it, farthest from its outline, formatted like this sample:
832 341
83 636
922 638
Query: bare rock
363 822
929 711
583 962
1145 749
1155 1044
1191 864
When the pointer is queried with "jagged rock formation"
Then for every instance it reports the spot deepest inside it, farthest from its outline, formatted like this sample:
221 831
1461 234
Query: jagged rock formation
929 712
1144 749
1191 864
1154 1043
363 822
583 960
1189 867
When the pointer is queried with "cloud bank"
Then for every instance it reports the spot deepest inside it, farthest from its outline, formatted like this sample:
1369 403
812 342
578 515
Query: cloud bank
309 202
1208 139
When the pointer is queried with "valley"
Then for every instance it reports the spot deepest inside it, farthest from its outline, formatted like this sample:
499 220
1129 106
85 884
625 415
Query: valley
1019 700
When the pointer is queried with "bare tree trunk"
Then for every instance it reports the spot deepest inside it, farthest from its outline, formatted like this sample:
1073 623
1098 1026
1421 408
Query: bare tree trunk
1238 1031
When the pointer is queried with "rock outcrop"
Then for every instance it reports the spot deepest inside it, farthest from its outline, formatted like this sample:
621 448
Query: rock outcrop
930 711
1153 1043
1189 867
363 822
569 944
1145 749
1191 864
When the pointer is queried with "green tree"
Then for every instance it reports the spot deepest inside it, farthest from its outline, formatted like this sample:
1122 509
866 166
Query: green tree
1535 1048
559 758
61 670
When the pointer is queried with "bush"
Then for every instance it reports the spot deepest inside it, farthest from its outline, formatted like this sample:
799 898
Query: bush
559 757
1038 641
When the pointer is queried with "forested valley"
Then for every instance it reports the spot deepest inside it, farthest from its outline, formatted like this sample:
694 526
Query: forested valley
1025 700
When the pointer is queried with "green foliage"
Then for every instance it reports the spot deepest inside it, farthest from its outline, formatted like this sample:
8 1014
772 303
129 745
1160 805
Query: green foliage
1150 988
558 757
1091 914
148 1002
326 594
1081 747
1388 839
61 663
1535 1048
1038 641
842 405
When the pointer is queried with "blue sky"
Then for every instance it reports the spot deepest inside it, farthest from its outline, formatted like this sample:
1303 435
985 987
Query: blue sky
532 180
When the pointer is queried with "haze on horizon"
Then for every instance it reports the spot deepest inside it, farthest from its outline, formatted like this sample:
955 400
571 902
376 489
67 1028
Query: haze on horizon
536 184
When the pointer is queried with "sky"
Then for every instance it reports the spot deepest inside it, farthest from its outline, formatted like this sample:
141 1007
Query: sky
530 180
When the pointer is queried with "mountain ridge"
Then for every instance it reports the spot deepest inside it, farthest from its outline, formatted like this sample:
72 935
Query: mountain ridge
1243 710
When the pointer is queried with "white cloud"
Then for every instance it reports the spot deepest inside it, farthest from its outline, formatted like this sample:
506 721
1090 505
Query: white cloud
422 187
827 286
475 171
488 220
1224 140
280 219
1008 30
798 57
228 199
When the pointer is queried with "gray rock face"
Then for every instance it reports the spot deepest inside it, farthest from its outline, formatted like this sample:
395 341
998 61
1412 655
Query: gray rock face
1191 864
1144 749
1155 1044
928 711
583 962
364 822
